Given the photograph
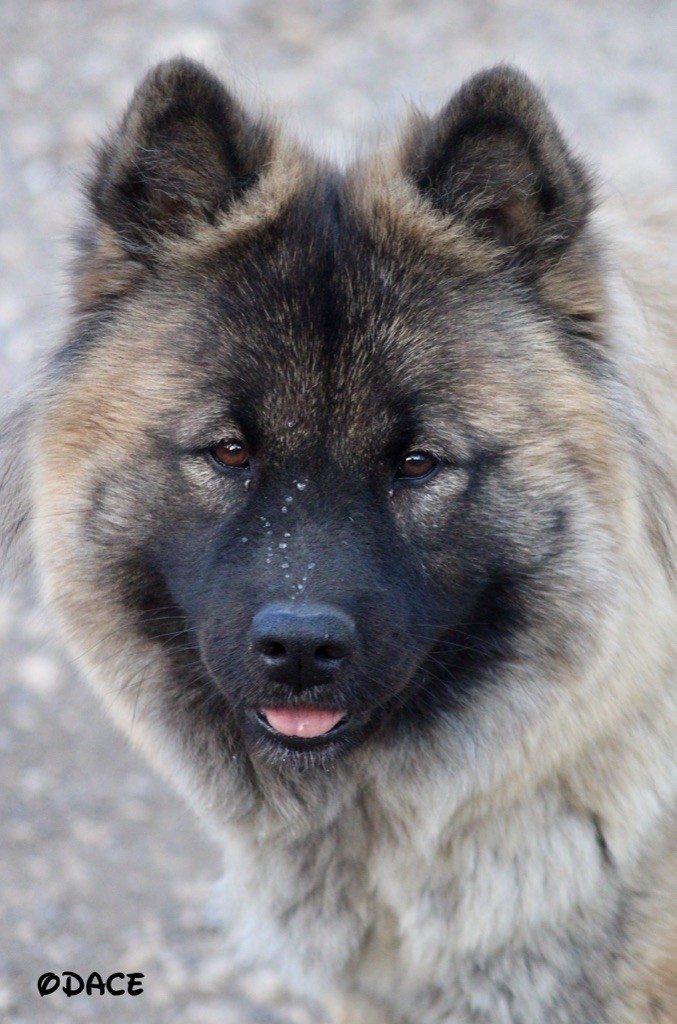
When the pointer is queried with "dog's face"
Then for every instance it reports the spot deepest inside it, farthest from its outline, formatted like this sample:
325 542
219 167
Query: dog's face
326 457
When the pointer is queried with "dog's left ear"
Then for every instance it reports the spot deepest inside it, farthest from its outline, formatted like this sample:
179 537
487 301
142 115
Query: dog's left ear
495 158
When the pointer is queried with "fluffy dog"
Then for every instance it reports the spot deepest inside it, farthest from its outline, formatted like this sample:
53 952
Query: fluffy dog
354 492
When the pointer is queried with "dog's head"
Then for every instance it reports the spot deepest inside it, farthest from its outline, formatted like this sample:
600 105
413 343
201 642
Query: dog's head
326 462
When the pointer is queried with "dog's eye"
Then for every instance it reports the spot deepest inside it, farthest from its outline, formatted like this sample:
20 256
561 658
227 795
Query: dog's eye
230 454
417 466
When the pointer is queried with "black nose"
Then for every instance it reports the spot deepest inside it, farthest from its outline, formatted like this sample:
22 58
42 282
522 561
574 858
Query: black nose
302 645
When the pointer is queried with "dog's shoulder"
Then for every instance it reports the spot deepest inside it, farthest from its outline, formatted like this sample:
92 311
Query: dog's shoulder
649 977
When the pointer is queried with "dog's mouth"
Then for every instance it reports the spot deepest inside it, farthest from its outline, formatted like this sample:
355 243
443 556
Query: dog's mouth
307 732
301 723
302 728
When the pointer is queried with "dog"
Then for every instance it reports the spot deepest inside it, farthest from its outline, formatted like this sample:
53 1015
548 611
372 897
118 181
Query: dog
353 491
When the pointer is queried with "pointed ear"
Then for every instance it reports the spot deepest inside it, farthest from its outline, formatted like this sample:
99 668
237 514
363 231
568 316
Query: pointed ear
495 158
184 152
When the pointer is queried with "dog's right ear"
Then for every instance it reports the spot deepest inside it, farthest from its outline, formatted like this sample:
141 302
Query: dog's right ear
183 154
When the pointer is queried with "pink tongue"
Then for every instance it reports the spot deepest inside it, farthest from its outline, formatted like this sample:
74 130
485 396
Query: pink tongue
301 721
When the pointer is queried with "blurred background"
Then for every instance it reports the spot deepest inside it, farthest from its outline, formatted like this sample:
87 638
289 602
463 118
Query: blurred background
101 868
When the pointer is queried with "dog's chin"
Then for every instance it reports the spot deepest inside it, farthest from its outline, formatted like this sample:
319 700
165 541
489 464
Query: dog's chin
289 745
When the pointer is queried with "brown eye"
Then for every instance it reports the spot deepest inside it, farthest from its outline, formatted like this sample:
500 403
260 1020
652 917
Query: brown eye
417 466
230 455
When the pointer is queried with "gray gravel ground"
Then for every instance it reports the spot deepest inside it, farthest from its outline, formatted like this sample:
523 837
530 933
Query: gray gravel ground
102 869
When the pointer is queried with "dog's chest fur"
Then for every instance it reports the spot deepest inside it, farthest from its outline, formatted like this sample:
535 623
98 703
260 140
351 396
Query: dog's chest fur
480 921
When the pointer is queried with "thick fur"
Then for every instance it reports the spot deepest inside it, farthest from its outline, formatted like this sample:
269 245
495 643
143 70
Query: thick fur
492 842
